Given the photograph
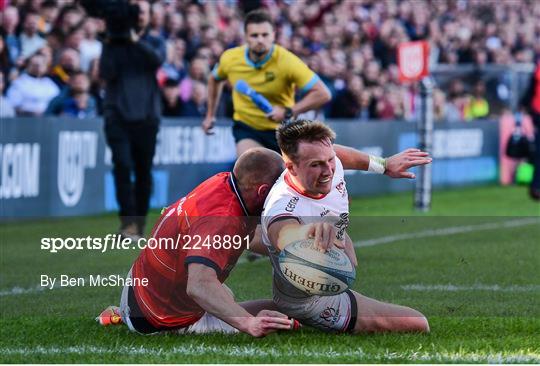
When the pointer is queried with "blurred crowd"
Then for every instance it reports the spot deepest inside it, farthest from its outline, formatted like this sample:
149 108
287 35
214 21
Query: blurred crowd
49 51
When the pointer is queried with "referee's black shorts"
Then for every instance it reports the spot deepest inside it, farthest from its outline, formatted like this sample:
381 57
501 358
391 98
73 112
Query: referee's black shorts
266 138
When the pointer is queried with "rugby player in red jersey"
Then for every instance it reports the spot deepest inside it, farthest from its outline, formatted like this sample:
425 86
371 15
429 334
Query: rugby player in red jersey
211 228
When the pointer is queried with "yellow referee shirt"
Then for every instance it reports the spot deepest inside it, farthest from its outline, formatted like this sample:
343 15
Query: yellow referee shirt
275 77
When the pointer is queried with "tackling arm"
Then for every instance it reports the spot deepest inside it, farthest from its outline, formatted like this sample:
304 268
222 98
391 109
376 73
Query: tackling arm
352 158
256 244
204 287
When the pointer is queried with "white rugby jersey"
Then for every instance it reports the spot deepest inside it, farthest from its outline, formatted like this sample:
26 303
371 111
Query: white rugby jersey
285 200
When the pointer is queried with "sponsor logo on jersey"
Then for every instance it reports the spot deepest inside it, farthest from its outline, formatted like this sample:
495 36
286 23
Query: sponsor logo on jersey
180 204
342 224
330 315
269 76
325 212
341 188
292 204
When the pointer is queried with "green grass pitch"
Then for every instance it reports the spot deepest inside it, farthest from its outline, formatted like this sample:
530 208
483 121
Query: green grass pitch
471 265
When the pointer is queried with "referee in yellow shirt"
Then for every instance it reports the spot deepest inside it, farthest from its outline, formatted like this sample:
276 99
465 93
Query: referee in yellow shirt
273 72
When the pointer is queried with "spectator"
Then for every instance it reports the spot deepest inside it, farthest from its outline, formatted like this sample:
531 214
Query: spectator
6 109
75 100
198 71
10 21
175 66
455 107
157 20
69 18
477 105
29 39
347 102
192 32
335 38
74 38
80 104
31 92
170 99
5 63
367 106
47 53
196 105
48 11
68 63
97 86
90 46
174 23
390 105
440 113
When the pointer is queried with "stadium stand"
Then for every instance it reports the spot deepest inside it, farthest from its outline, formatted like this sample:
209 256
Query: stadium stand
350 44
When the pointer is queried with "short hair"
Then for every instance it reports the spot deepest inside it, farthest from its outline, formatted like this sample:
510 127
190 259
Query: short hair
171 82
257 16
290 134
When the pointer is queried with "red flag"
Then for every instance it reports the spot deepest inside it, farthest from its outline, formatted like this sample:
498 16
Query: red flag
413 60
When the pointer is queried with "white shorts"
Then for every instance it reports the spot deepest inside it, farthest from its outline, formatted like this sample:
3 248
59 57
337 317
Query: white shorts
328 313
207 324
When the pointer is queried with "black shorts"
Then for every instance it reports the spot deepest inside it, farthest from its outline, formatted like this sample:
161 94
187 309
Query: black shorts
266 138
136 316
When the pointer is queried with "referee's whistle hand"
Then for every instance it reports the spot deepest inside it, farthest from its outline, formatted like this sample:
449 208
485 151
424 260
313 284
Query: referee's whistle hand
208 125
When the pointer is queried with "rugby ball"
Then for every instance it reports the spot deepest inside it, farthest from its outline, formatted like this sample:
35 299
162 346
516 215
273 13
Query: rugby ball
315 272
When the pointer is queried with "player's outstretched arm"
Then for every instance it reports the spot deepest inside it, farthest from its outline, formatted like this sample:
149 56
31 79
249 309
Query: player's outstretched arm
214 93
205 289
352 158
396 166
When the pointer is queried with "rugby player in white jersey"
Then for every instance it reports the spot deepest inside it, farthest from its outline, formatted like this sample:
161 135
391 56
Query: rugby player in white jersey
310 200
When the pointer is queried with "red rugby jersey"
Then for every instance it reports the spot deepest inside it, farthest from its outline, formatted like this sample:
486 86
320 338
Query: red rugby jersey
214 208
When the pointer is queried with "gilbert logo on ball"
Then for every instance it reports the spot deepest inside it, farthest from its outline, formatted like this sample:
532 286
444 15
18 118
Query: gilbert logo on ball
413 60
314 272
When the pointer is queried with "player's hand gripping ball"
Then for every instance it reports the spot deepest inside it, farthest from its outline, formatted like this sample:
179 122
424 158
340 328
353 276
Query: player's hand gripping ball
315 272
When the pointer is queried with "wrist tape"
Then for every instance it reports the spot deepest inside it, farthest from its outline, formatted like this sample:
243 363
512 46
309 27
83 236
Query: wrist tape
377 164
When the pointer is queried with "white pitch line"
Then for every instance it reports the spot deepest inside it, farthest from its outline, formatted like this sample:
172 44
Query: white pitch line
476 287
453 230
19 290
249 351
